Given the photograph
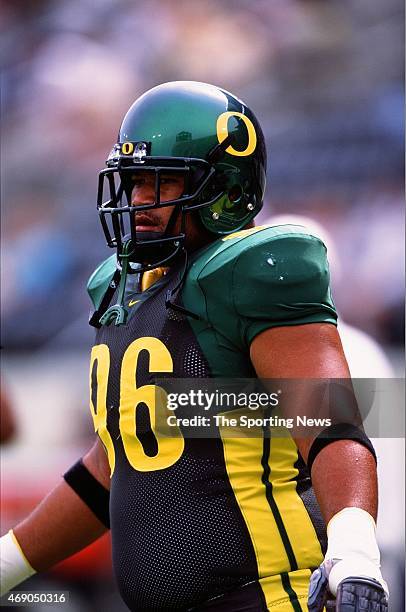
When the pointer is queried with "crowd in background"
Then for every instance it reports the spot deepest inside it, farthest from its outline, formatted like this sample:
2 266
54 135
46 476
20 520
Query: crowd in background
324 78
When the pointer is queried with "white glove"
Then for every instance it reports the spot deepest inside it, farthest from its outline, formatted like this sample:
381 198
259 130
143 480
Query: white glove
14 567
351 568
353 548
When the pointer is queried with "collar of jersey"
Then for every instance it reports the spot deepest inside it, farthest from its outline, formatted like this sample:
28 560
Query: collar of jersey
134 297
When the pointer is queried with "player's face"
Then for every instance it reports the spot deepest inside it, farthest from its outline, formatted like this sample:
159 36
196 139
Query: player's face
156 220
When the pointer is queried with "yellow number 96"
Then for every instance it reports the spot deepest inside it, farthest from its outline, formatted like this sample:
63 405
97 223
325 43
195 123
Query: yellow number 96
169 438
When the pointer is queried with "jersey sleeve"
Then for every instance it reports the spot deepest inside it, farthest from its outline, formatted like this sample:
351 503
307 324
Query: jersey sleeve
283 281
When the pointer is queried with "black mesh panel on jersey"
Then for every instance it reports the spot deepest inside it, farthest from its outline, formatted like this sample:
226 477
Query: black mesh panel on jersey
178 534
305 491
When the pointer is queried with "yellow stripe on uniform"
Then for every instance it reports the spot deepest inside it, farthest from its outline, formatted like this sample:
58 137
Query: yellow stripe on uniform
244 469
245 459
297 522
276 597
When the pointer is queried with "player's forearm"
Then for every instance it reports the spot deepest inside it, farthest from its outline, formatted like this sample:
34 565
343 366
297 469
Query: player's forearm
63 523
345 482
344 475
60 526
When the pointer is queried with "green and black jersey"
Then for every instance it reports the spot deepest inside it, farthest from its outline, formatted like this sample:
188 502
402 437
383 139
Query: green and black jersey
194 519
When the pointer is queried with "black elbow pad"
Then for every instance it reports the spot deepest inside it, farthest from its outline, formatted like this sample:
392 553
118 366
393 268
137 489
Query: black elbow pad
89 489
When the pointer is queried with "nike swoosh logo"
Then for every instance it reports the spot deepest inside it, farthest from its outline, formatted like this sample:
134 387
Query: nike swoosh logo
133 302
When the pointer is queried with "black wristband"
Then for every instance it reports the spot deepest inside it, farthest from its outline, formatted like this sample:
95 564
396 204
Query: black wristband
340 431
90 491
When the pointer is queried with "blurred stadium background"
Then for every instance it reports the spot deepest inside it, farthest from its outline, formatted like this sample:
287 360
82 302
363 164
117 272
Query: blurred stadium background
324 77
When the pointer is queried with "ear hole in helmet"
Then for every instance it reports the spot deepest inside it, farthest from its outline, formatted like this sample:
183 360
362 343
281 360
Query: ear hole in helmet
235 193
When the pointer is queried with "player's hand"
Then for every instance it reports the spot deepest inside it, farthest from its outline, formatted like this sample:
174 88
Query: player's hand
355 591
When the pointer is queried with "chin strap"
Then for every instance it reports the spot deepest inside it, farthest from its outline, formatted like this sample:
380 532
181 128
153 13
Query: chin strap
118 313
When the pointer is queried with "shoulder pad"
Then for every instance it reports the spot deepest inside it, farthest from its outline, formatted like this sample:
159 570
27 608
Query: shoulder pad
100 280
262 277
226 249
209 270
220 256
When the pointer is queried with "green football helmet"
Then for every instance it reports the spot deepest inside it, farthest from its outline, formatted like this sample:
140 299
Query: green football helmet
200 131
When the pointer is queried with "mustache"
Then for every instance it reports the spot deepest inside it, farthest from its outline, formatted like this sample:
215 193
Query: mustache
142 218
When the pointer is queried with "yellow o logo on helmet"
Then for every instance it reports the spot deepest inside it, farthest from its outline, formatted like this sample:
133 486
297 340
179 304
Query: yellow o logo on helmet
127 148
222 133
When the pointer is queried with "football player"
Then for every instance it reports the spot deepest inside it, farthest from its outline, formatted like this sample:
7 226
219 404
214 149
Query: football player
194 290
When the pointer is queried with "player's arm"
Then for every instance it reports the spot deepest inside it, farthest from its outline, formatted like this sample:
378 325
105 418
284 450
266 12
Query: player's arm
344 471
277 303
315 352
64 523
